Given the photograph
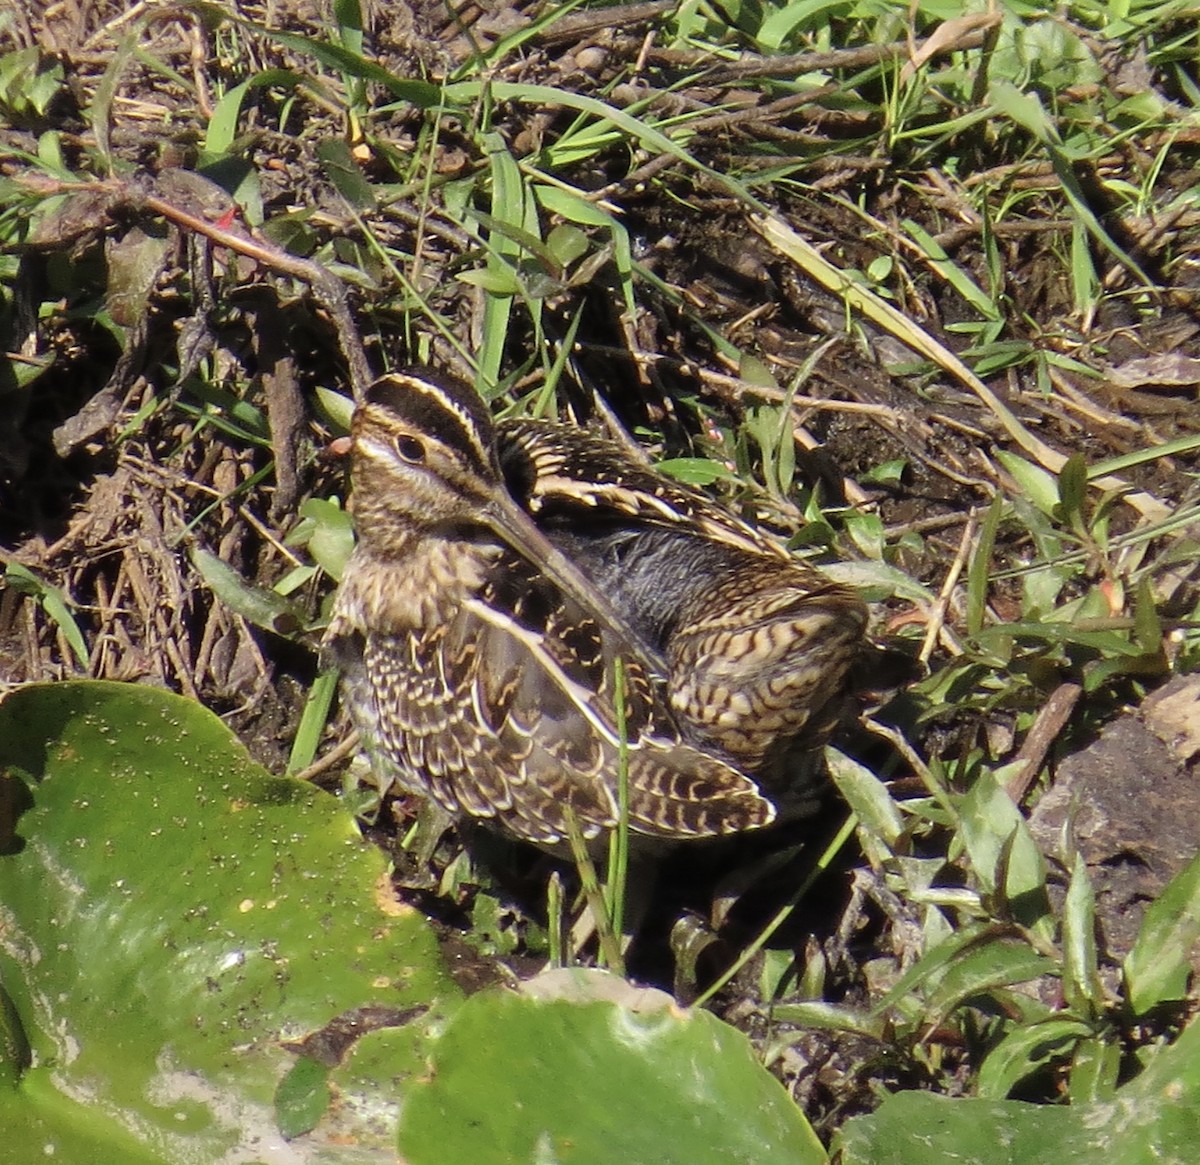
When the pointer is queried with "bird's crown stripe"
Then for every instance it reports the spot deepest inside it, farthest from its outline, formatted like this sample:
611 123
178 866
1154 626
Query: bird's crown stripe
447 410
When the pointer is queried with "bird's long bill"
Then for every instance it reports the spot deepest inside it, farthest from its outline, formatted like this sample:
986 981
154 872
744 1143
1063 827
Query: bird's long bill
509 522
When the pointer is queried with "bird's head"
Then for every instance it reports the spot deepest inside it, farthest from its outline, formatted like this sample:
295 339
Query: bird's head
422 455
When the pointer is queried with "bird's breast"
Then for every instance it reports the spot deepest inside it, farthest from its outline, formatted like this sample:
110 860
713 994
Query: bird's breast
420 590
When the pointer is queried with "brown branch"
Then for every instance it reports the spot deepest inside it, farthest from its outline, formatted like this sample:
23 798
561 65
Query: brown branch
1051 720
327 289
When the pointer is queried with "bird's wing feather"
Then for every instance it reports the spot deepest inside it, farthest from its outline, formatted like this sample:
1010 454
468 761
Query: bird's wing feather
508 709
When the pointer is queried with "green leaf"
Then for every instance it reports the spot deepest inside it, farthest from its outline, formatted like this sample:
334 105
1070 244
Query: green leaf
867 533
496 281
1153 1119
785 19
594 1071
348 14
175 919
54 603
951 272
262 607
920 1129
1027 1049
229 413
313 721
933 965
420 93
344 172
1147 627
302 1097
980 567
1072 487
1085 280
222 126
867 796
29 79
1024 108
647 136
331 540
992 961
887 473
1157 968
816 1013
880 577
573 208
696 470
14 1043
1004 856
1095 1068
1033 481
1081 978
338 407
567 243
755 371
510 208
106 91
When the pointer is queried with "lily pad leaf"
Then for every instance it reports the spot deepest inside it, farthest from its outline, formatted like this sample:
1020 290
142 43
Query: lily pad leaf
191 948
597 1072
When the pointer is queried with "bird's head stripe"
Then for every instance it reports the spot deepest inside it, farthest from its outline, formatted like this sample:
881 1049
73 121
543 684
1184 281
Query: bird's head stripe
451 411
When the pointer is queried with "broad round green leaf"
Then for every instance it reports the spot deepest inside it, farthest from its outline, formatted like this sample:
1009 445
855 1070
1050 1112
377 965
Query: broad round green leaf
171 917
605 1075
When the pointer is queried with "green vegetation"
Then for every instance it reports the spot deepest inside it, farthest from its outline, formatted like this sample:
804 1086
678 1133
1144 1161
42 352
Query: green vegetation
907 284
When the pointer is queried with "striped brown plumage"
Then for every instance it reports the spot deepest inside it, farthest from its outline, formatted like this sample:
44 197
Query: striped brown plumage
758 646
480 617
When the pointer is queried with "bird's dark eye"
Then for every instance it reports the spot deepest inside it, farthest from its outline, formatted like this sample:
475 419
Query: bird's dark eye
410 449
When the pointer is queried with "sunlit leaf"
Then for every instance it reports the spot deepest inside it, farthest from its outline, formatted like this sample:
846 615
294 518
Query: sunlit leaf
263 607
1081 980
175 919
1158 967
604 1074
1027 1049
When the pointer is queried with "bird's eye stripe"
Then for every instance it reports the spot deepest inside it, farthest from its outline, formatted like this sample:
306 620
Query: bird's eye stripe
429 405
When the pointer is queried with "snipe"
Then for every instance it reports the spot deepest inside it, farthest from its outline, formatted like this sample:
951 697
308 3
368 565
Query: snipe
480 617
